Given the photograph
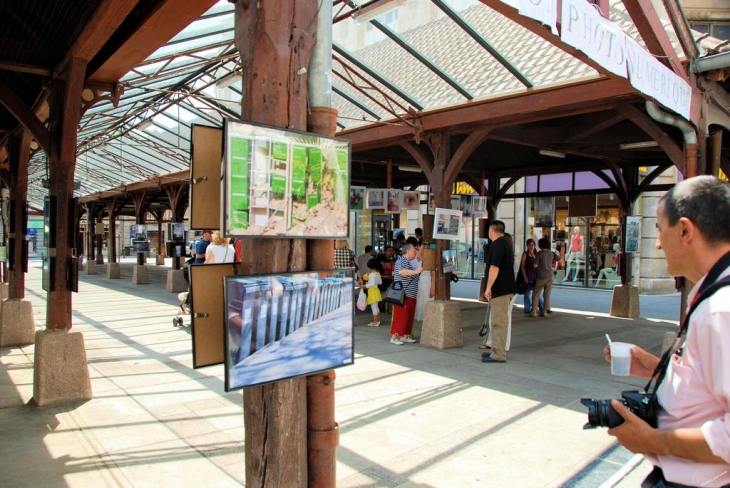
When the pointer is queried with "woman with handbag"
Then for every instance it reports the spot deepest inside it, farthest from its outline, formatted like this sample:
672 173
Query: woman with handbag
405 276
528 270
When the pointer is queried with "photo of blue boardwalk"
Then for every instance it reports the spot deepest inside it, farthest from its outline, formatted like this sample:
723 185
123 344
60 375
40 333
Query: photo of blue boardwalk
281 326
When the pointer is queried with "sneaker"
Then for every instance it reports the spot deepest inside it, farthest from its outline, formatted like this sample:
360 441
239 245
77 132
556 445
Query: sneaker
374 324
408 339
396 341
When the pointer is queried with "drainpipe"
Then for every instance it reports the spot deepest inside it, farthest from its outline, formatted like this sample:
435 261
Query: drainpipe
690 145
690 135
322 429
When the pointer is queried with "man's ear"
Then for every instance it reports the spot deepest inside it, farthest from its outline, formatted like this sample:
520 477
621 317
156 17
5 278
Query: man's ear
687 229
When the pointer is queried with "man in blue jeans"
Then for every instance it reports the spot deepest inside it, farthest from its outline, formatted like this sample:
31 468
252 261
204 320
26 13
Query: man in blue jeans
500 290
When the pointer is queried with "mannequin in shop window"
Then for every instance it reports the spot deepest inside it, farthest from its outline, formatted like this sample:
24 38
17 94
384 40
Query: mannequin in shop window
575 255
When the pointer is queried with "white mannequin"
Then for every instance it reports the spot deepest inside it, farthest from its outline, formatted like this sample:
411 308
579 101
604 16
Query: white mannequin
575 253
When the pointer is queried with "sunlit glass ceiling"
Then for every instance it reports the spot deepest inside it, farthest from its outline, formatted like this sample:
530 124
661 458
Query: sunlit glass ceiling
424 54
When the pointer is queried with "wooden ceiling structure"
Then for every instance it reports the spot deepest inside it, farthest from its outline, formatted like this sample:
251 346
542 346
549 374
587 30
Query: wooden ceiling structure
495 138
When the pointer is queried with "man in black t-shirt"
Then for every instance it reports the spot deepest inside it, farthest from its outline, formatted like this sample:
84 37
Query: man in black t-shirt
500 290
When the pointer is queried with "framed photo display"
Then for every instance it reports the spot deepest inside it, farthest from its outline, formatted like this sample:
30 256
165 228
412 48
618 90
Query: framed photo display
281 182
544 211
446 224
394 198
411 200
632 234
479 205
376 199
284 325
357 198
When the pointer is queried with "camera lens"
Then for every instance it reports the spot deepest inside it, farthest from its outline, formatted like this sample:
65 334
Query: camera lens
601 413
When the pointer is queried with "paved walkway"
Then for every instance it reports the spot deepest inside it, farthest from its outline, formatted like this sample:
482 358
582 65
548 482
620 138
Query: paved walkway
409 415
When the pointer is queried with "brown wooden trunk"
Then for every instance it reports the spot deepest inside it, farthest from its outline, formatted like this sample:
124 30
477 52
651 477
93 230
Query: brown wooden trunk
275 39
65 116
20 155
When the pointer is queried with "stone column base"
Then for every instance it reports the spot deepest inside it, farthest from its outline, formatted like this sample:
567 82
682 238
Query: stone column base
176 281
91 268
17 327
442 325
99 259
113 271
4 291
60 372
160 260
139 275
625 302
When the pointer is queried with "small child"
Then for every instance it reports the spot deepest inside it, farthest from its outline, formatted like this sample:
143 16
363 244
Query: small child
374 297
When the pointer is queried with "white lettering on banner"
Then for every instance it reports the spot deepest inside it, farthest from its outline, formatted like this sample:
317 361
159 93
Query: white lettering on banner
584 28
544 11
652 78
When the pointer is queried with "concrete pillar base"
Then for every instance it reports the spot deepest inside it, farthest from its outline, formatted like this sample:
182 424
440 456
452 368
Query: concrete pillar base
160 260
4 291
442 325
176 281
17 327
99 259
60 371
625 302
139 275
91 268
113 271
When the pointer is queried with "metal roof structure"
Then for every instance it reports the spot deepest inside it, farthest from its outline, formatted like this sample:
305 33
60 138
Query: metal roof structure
465 59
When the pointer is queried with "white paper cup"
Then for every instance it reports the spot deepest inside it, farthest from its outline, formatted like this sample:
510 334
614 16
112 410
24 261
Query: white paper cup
621 358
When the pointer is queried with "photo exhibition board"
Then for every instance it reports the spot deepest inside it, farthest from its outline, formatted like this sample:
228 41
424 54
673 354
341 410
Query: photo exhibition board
284 183
446 224
283 325
206 153
357 198
207 304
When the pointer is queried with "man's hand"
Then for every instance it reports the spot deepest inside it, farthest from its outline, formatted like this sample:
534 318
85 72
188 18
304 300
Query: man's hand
643 363
634 434
488 293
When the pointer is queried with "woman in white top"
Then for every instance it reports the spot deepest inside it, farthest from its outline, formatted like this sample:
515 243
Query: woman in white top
219 250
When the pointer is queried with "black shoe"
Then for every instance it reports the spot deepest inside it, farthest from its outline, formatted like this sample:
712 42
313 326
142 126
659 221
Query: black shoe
491 360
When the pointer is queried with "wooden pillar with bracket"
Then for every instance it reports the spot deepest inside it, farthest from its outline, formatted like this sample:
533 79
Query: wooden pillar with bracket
16 324
61 374
275 39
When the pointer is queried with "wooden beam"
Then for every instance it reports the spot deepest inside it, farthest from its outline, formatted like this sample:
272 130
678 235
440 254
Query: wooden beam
25 116
595 128
653 34
103 24
648 125
534 105
161 25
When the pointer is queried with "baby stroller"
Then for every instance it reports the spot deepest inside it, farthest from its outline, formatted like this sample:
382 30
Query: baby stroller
183 297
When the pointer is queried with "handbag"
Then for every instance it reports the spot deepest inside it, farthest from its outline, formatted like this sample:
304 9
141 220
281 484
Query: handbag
484 329
520 282
395 294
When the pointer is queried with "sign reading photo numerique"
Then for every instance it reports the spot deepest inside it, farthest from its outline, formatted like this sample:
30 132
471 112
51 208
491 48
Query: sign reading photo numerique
284 183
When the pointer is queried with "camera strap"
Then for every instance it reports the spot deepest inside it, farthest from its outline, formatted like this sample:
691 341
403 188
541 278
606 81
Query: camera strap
709 286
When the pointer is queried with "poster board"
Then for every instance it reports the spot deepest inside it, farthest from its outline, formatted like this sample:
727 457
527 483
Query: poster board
283 325
206 284
357 198
284 183
206 154
447 224
582 205
544 211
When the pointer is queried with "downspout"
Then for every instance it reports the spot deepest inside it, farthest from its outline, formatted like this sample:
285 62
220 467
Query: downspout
319 81
688 131
322 430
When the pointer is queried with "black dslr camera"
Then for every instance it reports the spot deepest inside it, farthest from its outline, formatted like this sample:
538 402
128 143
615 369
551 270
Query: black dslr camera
602 414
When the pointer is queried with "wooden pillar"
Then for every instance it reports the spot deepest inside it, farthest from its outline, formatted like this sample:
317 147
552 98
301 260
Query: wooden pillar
19 158
111 208
65 116
275 39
